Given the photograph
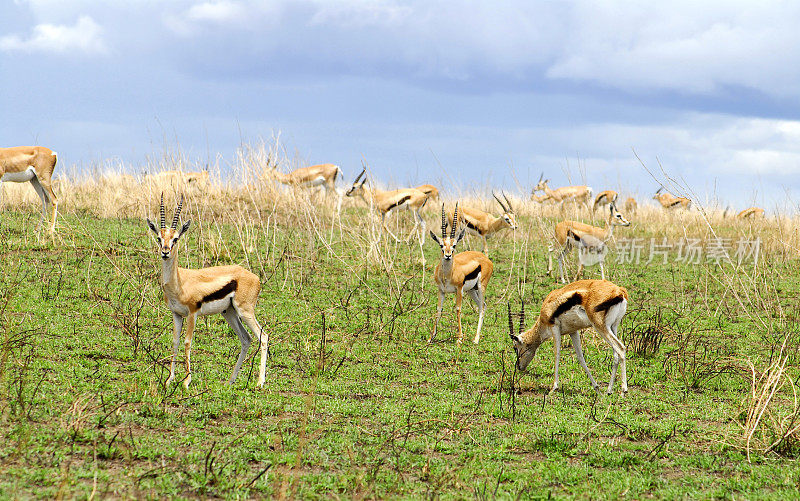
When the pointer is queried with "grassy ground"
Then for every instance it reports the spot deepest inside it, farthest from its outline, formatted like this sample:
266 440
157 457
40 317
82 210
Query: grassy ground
357 404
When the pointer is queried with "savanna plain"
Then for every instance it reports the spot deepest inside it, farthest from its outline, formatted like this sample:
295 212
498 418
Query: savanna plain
357 403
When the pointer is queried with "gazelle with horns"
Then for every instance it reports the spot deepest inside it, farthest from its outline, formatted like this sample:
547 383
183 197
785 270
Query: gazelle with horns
385 202
35 164
231 291
589 239
670 201
565 193
587 303
466 272
484 224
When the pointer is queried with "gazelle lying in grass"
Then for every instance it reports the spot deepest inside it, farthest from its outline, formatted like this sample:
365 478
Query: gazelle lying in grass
484 224
231 291
467 271
385 202
35 164
669 201
751 213
630 205
587 303
589 239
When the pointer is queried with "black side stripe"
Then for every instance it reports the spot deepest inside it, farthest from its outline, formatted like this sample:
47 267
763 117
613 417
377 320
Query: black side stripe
471 226
572 301
399 202
472 275
608 303
673 204
224 291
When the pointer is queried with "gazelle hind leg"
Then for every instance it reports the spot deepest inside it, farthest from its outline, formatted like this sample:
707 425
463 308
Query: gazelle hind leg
263 337
232 317
477 295
459 299
190 322
557 342
43 196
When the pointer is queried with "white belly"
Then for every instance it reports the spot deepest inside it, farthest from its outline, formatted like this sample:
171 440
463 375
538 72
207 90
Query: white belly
314 182
573 319
19 177
218 306
471 284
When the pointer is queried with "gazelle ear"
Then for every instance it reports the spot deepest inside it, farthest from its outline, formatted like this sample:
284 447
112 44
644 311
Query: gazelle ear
435 238
152 226
185 227
461 234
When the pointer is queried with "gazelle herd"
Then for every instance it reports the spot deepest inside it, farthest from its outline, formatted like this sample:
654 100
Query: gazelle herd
232 291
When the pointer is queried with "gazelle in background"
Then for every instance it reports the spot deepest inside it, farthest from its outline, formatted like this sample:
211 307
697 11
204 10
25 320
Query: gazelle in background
179 179
565 193
630 205
231 291
466 272
604 198
751 213
572 232
385 202
429 190
483 224
587 303
669 201
35 164
323 175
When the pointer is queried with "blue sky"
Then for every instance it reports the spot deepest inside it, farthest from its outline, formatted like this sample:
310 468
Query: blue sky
461 93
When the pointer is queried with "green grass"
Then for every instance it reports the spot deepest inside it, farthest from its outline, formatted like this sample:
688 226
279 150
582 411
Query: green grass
375 411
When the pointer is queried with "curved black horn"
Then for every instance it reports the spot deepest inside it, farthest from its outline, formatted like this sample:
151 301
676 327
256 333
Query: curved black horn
500 202
510 321
541 177
455 222
359 176
177 214
510 209
161 212
444 222
522 318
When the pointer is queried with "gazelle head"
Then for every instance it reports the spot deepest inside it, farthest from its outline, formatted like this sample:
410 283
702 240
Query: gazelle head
448 243
541 185
357 189
167 238
615 217
508 212
522 350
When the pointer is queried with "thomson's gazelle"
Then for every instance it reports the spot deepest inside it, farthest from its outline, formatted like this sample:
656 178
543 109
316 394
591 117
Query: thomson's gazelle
467 271
563 194
484 225
587 303
231 291
572 232
385 202
670 201
35 164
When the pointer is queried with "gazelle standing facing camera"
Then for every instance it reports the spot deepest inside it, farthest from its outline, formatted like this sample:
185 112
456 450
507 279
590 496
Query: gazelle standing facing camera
586 303
467 271
230 291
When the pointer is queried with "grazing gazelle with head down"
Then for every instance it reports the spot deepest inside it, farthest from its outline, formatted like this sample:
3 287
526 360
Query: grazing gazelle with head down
230 291
467 271
587 303
35 164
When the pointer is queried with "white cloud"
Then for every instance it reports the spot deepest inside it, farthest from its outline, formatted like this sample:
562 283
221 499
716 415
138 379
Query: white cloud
218 12
85 36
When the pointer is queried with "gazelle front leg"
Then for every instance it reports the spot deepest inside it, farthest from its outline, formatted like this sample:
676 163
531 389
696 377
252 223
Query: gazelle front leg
187 343
576 343
557 342
439 306
386 228
177 325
